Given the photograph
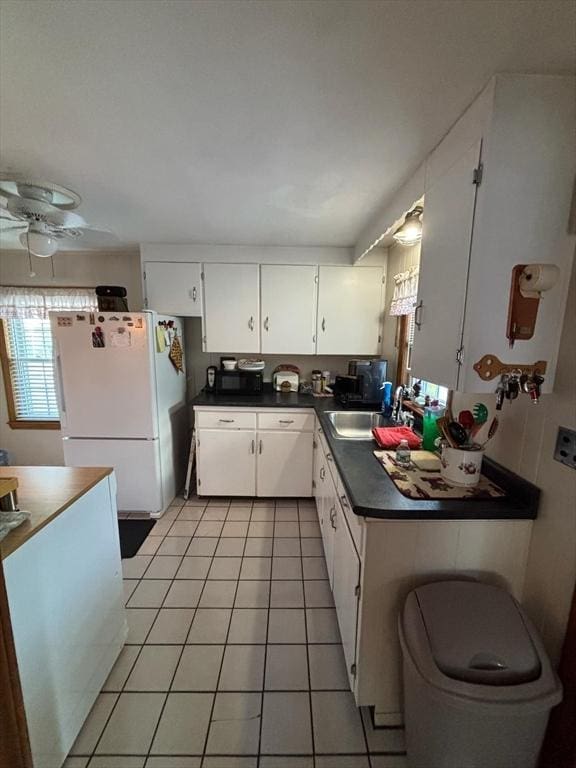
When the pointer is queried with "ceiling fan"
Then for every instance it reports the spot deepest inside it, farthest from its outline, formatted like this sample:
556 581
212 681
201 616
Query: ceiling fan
43 212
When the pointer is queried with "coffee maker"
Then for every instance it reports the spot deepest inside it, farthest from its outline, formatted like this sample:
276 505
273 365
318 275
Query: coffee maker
363 386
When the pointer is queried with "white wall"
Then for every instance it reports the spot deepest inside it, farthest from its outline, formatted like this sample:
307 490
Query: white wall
525 444
72 268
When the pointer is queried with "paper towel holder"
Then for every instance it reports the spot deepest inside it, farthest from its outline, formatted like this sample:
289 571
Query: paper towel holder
524 301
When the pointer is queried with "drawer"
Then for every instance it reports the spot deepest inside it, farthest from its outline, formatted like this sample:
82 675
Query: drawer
299 422
225 419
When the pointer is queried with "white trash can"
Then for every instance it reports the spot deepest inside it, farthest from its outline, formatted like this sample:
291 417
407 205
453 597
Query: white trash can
478 685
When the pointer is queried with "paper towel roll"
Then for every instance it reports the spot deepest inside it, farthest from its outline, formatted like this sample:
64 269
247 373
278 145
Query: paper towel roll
536 278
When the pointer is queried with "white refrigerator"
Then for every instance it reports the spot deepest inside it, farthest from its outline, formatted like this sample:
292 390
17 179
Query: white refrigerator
122 402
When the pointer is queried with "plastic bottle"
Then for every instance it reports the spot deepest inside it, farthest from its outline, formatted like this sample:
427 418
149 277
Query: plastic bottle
403 454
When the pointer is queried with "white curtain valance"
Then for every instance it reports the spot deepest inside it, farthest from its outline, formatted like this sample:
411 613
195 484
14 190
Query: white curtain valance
405 292
35 303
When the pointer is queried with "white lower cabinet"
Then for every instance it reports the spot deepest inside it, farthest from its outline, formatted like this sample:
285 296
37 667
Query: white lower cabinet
373 564
346 588
226 463
237 458
284 464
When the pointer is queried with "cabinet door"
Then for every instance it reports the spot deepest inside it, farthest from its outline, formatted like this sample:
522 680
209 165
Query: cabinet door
328 527
443 282
226 462
288 309
345 588
284 464
231 308
349 310
173 288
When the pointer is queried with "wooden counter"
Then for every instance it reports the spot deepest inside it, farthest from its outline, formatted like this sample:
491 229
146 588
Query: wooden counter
45 492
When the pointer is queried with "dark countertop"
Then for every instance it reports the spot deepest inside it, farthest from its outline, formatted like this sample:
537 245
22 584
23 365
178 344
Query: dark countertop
371 492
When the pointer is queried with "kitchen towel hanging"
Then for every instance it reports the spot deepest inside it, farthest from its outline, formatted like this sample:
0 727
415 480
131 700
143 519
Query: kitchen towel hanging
176 354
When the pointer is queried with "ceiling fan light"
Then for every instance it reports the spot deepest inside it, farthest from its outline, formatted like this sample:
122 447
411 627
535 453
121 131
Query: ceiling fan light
410 232
39 244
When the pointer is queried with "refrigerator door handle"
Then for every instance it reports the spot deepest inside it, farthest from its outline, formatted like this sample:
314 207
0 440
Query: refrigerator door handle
60 386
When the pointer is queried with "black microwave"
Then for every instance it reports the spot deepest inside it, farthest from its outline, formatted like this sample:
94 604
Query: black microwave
234 382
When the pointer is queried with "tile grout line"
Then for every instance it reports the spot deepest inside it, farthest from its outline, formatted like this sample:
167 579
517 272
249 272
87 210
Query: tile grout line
217 684
266 644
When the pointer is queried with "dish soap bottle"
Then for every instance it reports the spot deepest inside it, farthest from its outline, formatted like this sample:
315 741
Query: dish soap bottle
403 454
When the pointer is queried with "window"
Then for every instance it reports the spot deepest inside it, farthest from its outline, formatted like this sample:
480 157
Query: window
26 351
28 372
434 391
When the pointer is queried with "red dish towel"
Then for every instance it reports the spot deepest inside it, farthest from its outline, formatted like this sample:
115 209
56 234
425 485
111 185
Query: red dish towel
390 437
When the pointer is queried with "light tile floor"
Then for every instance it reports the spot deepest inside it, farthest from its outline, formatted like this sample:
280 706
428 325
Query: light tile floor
233 657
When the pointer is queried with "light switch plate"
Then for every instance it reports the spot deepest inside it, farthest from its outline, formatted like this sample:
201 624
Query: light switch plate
565 451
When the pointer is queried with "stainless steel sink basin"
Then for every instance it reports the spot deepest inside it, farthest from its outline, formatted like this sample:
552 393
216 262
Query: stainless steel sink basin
354 425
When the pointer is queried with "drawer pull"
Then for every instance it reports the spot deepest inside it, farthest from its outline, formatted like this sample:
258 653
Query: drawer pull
323 323
251 323
267 324
345 502
286 421
226 421
329 457
322 473
193 294
332 517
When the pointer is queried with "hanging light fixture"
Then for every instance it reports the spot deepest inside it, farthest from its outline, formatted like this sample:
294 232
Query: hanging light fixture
410 232
39 243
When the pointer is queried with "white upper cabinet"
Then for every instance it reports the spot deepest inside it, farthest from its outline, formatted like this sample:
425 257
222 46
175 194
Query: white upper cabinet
231 308
173 288
349 310
475 231
288 312
447 232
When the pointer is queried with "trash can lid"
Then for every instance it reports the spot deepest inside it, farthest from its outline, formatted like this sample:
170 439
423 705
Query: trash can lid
477 634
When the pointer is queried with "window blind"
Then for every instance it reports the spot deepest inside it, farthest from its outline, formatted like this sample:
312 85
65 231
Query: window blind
29 344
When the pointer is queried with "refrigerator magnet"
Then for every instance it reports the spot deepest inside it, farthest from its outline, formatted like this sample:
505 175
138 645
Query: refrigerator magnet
98 338
160 339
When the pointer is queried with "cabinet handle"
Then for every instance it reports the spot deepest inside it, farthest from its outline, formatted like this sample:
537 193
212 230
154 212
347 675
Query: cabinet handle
285 421
251 323
329 457
418 315
226 421
332 518
345 502
193 294
267 323
322 473
323 323
259 446
252 446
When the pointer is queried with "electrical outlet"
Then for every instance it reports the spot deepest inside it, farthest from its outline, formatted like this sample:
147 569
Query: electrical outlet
565 450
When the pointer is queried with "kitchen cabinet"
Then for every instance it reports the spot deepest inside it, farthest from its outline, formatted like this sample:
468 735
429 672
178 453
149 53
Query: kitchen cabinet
226 463
345 587
447 224
349 310
173 288
487 212
288 313
259 452
284 465
231 308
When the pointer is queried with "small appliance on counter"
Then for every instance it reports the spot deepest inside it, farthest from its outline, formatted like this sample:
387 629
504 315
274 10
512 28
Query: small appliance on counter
363 386
233 382
286 378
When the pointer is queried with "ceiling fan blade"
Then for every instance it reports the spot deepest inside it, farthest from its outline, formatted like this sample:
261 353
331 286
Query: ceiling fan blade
13 226
86 238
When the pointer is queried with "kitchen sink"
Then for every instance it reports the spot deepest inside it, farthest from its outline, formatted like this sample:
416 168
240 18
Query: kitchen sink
355 425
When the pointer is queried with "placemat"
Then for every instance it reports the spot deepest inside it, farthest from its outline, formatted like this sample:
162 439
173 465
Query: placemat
418 483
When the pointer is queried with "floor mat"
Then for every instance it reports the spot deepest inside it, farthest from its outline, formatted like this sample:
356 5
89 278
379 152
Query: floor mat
132 535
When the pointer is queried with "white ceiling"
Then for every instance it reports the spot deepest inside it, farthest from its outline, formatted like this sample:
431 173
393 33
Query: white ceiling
256 122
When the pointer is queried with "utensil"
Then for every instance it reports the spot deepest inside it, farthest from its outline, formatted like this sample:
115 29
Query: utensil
466 419
458 433
491 430
442 424
480 413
